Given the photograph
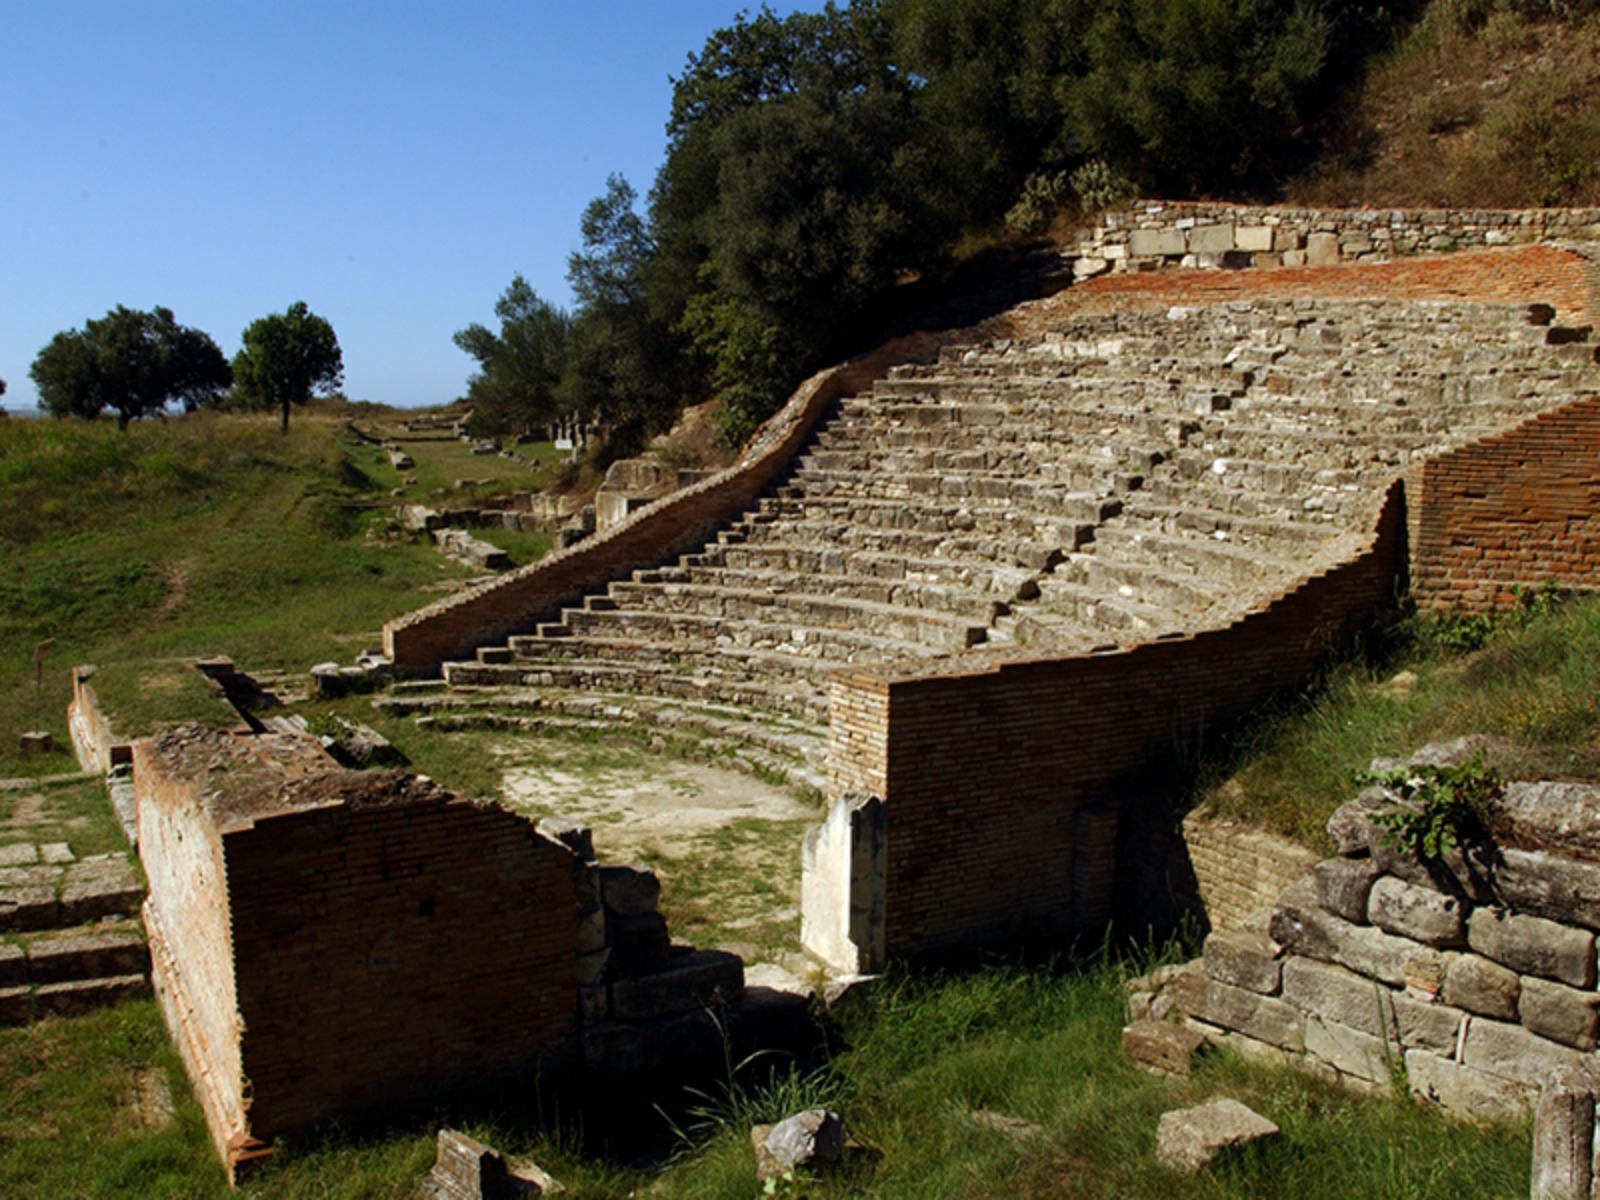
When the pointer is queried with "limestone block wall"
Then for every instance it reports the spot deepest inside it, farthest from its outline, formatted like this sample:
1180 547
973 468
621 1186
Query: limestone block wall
1475 973
1239 870
1518 510
1207 235
452 628
1046 741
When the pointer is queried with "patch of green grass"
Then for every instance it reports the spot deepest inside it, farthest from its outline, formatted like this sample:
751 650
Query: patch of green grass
1044 1047
199 535
1534 681
75 813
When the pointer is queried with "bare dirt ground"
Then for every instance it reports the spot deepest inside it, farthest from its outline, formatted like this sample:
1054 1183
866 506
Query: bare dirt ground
726 845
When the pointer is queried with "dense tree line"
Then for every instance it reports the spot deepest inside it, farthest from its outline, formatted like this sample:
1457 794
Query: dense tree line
815 160
137 363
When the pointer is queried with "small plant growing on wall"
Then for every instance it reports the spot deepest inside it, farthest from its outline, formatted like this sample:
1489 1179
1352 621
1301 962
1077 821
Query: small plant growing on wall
1440 807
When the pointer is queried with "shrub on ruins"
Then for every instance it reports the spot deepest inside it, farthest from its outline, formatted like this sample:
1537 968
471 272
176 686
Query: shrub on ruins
133 362
286 358
514 388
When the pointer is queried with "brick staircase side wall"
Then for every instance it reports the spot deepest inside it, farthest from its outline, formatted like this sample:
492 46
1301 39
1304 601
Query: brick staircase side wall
453 628
1040 739
389 953
1517 511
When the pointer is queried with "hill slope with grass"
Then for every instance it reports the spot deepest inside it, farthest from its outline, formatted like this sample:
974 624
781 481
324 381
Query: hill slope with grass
198 535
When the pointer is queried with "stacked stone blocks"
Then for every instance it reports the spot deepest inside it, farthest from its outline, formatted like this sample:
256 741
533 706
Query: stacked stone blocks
1474 975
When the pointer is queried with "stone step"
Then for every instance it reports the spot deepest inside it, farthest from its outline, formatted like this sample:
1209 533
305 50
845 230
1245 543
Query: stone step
803 698
1109 612
1050 506
787 628
85 954
1201 555
916 595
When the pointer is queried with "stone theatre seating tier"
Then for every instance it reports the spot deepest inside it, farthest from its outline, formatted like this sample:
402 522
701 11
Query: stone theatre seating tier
1135 475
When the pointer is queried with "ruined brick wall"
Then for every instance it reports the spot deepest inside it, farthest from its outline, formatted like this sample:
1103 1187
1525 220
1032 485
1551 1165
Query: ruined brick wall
387 954
1045 742
1239 869
92 741
1518 510
191 947
452 628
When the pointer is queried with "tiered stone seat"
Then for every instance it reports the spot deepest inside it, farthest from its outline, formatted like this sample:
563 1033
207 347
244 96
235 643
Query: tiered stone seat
1138 475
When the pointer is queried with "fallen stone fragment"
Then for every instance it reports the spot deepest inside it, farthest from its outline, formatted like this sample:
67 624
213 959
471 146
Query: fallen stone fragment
466 1169
1013 1127
1189 1139
1162 1047
811 1140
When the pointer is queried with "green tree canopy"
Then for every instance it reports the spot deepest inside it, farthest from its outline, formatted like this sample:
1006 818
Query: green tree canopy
133 362
624 360
286 357
514 389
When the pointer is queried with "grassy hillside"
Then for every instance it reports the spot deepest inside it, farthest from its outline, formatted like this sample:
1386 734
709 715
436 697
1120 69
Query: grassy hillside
1482 104
198 535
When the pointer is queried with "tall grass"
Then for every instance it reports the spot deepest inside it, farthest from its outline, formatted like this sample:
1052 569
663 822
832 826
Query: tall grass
1533 683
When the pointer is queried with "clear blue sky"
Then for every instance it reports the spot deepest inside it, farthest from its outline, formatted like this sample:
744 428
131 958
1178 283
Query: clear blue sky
391 164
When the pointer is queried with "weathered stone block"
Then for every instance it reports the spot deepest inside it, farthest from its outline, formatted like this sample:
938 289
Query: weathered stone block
1462 1090
1534 946
1153 243
1161 1046
99 887
1349 1051
640 945
1482 986
701 979
1547 885
1254 238
1191 1138
1337 994
84 995
591 968
19 854
1564 1135
1322 249
13 966
1560 1013
87 956
28 908
1244 959
16 1006
1351 827
1211 239
1425 1025
1421 914
1514 1053
34 876
1344 885
1261 1017
1302 927
629 891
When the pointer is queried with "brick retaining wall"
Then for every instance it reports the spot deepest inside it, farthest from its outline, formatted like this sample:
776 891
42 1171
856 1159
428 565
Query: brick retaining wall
1518 510
1046 741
